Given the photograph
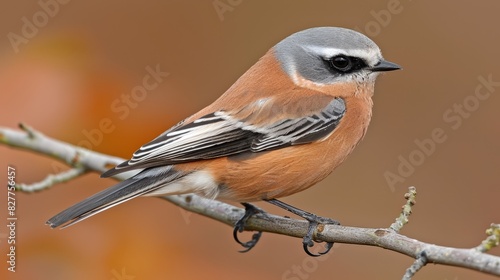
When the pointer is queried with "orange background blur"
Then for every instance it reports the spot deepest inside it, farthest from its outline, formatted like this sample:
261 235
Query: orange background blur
64 76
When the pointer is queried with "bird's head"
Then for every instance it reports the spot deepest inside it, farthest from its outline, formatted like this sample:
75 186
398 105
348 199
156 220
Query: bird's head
328 55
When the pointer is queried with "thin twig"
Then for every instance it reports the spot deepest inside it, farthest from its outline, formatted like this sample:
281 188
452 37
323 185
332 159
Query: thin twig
420 262
386 238
52 179
403 218
492 240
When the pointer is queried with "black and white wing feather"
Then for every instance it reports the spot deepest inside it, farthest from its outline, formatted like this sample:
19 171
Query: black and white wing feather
219 134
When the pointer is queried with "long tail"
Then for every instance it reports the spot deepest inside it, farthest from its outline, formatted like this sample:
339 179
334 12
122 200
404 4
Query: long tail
146 181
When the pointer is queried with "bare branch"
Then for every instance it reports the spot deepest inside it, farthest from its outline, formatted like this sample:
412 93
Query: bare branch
388 238
73 156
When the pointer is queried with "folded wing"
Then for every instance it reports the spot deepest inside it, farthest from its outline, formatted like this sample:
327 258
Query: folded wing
222 134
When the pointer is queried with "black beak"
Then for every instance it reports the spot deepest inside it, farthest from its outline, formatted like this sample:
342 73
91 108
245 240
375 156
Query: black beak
385 65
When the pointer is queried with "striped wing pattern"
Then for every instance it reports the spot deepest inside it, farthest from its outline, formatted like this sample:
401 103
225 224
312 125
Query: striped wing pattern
219 134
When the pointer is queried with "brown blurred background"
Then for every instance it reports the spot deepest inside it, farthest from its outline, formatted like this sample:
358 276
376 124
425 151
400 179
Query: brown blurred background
68 73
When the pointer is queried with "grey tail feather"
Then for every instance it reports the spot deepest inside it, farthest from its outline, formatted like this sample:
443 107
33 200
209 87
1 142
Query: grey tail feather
147 181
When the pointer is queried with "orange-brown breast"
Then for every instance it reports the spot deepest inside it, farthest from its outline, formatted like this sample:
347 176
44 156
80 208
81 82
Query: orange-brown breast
285 171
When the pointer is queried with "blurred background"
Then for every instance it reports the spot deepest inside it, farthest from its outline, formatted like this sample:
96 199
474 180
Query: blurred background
66 67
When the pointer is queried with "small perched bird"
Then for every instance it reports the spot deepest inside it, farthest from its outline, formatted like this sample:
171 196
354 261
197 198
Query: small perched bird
283 126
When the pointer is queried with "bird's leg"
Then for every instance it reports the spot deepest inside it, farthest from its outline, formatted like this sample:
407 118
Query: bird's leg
313 220
250 210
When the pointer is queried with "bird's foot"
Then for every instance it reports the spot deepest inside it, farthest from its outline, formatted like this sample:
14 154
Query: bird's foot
308 241
250 210
314 222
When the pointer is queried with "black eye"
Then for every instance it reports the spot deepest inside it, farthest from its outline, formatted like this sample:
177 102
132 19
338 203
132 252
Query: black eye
341 63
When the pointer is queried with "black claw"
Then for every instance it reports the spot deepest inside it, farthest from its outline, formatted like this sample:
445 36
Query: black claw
249 244
314 221
308 238
250 211
306 249
328 247
308 241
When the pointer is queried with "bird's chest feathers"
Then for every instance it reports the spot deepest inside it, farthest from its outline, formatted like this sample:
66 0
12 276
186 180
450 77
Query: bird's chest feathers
353 126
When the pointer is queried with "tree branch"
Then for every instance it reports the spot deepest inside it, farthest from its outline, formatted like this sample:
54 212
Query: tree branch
83 160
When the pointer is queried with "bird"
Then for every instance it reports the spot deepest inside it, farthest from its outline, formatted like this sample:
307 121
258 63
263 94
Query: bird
282 127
